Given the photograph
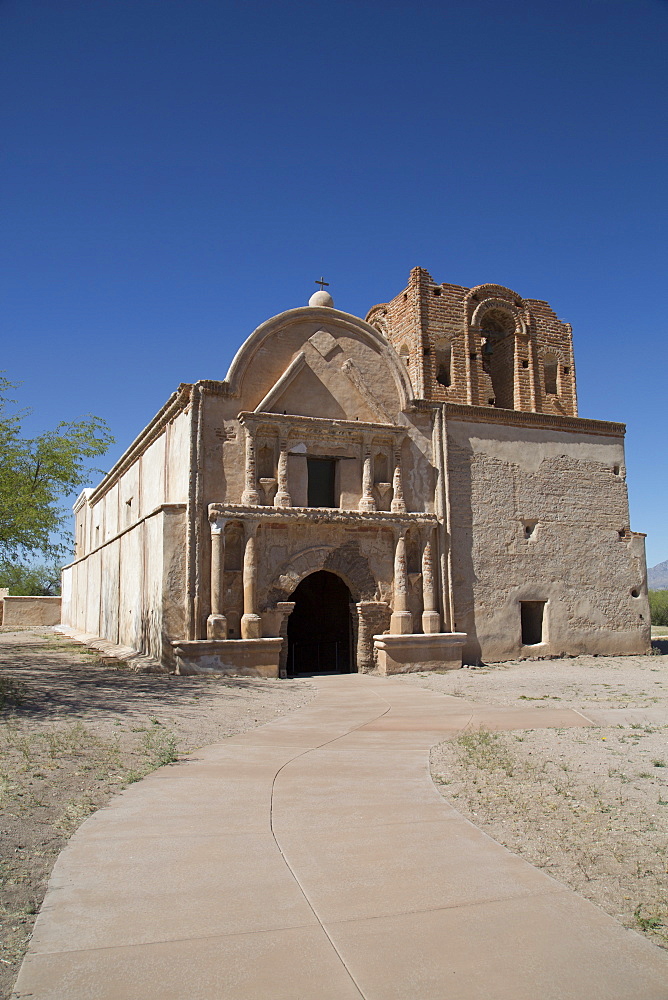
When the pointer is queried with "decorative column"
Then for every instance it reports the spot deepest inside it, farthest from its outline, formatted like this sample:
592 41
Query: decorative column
397 506
283 498
431 619
216 623
367 501
250 494
364 650
286 608
401 622
517 375
251 623
373 618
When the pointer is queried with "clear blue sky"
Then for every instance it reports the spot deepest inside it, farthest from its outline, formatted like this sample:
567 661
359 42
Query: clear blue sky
176 171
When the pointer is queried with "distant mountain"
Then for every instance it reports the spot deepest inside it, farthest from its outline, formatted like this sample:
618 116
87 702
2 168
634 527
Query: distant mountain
657 576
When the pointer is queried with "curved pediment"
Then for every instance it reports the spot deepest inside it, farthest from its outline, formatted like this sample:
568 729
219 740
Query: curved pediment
320 362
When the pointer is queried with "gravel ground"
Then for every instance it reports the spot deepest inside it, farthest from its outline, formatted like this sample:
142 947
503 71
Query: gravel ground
590 806
74 730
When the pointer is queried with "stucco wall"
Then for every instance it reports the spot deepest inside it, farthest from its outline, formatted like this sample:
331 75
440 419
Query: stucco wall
542 515
131 590
31 611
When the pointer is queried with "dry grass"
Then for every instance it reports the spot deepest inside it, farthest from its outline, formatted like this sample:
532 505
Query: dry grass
590 806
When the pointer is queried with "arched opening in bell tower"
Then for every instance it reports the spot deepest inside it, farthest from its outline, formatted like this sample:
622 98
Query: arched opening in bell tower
498 356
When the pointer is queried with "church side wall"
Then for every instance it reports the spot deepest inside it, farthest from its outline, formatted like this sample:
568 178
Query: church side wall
178 459
131 605
127 584
152 466
131 590
542 516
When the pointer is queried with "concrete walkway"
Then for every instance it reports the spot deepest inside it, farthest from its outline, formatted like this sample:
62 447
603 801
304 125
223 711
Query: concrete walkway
313 859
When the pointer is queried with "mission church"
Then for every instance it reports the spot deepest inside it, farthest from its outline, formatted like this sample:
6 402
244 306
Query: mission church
406 492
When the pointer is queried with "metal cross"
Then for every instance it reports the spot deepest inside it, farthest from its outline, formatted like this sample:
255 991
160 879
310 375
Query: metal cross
321 282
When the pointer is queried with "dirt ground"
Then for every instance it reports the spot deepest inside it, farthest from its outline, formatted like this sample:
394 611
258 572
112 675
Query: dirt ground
590 806
75 730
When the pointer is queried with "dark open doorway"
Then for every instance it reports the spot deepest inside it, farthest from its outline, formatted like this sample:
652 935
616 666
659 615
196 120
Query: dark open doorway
319 628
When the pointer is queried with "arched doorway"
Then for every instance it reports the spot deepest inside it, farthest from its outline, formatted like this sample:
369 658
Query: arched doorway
319 627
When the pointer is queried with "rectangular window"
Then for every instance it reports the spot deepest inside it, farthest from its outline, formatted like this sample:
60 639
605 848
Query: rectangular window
551 387
531 613
443 367
321 482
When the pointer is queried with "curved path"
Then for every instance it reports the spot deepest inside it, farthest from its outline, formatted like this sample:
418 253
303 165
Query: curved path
313 859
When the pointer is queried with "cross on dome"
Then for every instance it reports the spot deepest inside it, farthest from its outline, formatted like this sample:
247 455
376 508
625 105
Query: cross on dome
321 297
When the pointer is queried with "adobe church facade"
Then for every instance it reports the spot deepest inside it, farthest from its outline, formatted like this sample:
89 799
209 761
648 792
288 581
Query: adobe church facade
388 494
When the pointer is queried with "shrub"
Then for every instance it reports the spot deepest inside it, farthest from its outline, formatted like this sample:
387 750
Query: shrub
658 606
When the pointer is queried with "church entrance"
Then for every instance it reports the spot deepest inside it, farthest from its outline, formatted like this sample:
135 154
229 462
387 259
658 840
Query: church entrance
319 628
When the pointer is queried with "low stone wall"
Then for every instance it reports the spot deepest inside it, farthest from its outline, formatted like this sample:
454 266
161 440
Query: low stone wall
31 611
236 657
400 654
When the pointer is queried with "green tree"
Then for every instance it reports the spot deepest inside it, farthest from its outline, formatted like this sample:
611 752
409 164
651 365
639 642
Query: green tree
37 580
37 475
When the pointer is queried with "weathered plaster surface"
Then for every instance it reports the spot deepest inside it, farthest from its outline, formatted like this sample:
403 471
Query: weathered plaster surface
565 488
30 610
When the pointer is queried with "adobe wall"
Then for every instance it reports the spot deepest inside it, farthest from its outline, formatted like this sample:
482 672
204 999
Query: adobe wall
154 471
540 514
131 589
30 610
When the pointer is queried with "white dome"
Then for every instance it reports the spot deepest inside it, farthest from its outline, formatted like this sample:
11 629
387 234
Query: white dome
321 298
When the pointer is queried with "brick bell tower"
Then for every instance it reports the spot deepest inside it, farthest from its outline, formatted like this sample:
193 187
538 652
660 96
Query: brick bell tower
481 346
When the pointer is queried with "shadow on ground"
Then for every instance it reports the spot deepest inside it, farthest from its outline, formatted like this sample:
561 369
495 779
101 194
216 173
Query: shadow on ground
53 682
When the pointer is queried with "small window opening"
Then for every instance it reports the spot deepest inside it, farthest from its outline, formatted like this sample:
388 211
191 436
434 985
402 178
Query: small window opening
529 528
412 554
265 463
550 368
443 375
567 371
492 401
635 592
405 296
234 547
321 482
622 533
443 370
381 468
525 363
437 291
404 354
531 614
427 352
473 356
615 470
